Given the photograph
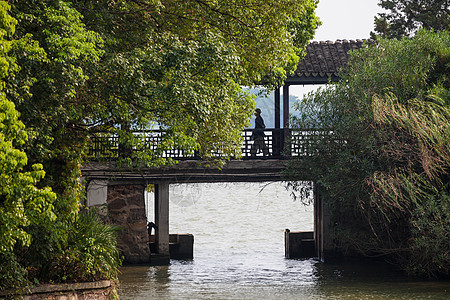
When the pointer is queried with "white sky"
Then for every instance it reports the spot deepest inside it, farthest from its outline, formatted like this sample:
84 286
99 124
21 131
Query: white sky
342 19
346 19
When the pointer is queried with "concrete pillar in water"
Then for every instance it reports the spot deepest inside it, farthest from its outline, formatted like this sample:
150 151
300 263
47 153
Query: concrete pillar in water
162 218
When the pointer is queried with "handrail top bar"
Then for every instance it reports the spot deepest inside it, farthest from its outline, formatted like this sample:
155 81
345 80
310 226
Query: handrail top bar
246 130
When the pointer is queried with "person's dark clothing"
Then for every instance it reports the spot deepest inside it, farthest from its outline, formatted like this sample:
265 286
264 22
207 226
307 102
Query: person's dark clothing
259 126
258 138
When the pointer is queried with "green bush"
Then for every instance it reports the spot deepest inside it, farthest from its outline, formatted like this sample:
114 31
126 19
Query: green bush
90 253
383 167
430 237
35 246
21 202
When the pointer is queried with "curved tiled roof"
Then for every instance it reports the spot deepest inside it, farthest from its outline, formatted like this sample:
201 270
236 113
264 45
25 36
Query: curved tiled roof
323 61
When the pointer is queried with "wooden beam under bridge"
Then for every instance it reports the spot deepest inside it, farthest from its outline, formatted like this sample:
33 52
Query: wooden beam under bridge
190 172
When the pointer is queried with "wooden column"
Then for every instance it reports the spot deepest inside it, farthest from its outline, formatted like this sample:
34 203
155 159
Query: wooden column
277 108
162 218
318 225
285 118
286 106
277 140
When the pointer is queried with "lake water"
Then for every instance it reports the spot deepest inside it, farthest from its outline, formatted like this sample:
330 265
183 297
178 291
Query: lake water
238 233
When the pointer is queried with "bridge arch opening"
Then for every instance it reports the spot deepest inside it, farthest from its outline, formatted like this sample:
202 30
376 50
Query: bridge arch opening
242 218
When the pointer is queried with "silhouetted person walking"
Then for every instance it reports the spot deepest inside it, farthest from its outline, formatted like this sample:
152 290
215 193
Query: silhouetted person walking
258 136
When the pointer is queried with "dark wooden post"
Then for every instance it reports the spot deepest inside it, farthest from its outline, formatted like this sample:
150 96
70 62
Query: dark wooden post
277 108
285 118
318 228
277 145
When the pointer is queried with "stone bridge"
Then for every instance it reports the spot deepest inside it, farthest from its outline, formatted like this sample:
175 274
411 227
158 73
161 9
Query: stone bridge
122 190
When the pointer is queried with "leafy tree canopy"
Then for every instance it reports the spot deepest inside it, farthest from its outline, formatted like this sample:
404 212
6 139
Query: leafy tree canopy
181 64
44 46
21 202
79 67
406 17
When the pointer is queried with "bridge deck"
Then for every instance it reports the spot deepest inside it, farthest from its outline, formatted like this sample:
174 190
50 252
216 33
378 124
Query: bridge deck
190 171
257 168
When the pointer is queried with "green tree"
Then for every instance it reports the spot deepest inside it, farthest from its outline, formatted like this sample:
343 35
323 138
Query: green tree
406 17
51 47
84 66
40 229
382 161
182 65
21 202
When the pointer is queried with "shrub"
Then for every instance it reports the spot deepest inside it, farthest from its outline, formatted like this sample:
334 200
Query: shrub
386 180
90 252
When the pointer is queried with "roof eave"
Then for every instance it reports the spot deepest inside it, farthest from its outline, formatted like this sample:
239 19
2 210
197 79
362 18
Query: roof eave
310 80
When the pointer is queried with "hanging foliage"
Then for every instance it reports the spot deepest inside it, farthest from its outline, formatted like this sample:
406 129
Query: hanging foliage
383 167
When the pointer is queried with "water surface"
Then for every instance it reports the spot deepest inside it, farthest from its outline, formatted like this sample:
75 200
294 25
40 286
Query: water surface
239 253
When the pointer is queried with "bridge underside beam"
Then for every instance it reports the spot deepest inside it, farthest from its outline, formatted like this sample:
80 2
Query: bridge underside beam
192 172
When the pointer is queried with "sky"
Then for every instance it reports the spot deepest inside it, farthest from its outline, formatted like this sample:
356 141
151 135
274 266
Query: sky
346 19
342 20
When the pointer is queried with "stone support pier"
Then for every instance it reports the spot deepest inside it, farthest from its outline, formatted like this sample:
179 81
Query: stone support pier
126 208
122 204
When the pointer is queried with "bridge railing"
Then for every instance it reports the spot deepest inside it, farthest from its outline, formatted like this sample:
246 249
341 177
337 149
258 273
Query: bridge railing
279 144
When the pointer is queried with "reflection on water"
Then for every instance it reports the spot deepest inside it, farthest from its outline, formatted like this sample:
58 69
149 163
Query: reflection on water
307 279
239 254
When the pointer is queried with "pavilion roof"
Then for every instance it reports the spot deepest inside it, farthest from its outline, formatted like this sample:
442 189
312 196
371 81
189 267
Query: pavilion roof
323 61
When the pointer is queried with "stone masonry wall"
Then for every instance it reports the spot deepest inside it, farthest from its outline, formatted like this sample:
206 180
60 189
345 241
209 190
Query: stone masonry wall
126 208
97 290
